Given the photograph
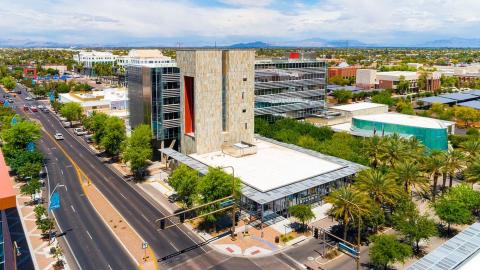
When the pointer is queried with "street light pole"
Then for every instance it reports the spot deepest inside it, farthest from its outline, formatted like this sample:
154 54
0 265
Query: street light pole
358 230
232 230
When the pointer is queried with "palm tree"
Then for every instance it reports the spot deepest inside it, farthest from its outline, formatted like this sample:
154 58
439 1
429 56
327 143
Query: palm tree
380 186
455 160
415 148
472 173
374 147
394 150
347 204
472 148
432 166
408 174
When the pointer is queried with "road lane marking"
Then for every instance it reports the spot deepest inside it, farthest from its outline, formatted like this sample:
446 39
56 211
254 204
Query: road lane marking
61 171
121 194
109 267
66 189
89 235
144 217
73 209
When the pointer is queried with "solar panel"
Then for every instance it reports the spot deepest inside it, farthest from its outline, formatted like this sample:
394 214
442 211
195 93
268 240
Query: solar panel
471 104
452 253
437 99
459 96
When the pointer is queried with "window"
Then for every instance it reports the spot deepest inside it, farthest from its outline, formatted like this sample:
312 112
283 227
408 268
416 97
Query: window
246 126
243 95
244 110
244 79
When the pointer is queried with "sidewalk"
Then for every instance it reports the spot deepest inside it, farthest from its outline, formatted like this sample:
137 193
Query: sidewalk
39 248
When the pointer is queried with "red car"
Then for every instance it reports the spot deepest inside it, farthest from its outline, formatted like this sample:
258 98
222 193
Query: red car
33 109
25 108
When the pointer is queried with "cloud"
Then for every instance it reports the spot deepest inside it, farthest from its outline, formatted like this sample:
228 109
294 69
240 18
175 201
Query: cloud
237 20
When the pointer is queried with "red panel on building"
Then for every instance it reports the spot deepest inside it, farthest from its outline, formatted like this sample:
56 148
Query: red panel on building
294 55
189 105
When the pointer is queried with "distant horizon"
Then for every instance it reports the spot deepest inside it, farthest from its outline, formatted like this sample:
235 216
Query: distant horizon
146 23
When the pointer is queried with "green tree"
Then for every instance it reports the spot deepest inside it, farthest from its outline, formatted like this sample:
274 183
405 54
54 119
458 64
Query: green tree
471 148
432 166
384 97
409 174
342 95
386 249
403 85
96 124
72 111
472 173
9 83
31 187
301 212
185 182
19 135
455 161
452 211
114 136
380 187
347 204
138 149
338 80
216 184
413 225
374 148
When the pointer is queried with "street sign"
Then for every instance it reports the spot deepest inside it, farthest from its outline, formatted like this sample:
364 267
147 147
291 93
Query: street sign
350 250
144 245
54 201
226 203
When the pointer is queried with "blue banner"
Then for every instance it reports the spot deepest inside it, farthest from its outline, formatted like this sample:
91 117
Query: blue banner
52 96
6 104
30 146
54 201
14 120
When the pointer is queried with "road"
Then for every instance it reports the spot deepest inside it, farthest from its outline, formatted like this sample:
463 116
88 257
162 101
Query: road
176 248
84 231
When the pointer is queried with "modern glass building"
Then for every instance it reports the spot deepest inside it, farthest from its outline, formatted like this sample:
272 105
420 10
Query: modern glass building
433 133
154 99
293 88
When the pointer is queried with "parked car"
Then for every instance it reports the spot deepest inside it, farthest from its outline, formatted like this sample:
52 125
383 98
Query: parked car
173 198
63 119
88 138
58 136
45 110
79 131
66 124
33 108
28 99
40 107
25 108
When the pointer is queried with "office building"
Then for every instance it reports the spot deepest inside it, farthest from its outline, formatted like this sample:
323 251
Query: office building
154 99
343 70
370 78
217 117
293 87
216 98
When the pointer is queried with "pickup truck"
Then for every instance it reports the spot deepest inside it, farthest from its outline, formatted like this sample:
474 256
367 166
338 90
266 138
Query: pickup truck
79 131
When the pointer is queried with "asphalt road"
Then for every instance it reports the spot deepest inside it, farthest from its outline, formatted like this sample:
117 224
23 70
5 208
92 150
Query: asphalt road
84 232
176 248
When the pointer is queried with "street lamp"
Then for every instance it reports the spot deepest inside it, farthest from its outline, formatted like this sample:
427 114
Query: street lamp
232 230
358 230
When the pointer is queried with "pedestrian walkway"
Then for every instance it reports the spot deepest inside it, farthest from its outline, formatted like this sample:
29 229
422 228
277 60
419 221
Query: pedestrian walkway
39 248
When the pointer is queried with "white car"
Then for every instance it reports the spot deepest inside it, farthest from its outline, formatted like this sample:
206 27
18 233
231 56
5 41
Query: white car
79 131
58 136
28 98
40 107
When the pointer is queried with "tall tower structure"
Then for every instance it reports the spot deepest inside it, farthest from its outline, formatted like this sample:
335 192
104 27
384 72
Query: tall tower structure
217 98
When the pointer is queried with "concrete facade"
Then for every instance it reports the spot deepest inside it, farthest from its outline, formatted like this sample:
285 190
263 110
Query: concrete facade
223 98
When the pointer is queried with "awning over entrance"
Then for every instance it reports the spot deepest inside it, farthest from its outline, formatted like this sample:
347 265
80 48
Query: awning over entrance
182 158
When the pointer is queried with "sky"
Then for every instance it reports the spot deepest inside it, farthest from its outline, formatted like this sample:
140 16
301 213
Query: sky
224 22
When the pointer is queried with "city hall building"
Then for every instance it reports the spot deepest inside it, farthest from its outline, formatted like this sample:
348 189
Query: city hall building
217 109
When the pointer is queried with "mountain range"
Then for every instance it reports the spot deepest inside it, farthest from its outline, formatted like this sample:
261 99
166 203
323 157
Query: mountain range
305 43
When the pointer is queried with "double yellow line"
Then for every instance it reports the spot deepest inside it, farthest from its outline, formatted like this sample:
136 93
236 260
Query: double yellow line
80 173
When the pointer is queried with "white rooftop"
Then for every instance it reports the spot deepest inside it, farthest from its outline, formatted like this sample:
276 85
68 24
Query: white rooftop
273 166
358 106
405 119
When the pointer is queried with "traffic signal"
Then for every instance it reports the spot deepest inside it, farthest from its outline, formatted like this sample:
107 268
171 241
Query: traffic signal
315 233
162 224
